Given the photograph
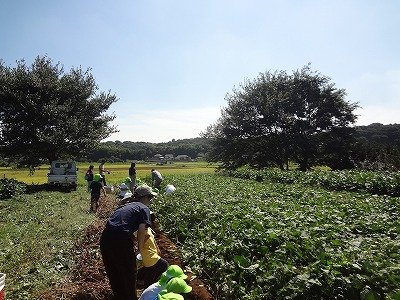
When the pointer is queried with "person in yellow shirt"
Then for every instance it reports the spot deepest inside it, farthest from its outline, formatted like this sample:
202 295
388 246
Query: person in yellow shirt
150 263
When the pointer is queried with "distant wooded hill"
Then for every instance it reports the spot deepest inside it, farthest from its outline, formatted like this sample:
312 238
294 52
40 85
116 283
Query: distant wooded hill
375 143
136 151
377 146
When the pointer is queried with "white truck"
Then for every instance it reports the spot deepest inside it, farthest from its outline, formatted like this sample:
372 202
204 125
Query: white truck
63 174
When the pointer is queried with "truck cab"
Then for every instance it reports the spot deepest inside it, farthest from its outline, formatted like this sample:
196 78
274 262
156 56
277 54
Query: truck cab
63 173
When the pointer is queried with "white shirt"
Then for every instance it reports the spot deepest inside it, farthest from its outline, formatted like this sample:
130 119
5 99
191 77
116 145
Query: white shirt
151 293
169 189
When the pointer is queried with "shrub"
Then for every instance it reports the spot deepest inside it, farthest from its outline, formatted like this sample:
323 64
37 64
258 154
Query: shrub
10 188
373 182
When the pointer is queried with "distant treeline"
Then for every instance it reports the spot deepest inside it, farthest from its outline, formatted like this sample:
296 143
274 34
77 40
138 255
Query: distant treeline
375 146
139 151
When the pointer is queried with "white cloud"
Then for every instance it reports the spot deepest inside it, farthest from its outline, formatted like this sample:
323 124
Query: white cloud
164 125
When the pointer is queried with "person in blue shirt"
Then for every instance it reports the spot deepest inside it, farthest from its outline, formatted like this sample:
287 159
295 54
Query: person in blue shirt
117 242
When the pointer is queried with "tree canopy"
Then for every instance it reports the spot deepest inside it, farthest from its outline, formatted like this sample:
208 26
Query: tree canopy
47 113
279 117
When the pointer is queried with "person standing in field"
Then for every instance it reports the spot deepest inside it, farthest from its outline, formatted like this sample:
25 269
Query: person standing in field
103 171
96 186
89 177
117 242
132 175
156 178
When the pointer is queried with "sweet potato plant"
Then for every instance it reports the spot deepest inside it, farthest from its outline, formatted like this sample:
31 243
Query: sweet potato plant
263 240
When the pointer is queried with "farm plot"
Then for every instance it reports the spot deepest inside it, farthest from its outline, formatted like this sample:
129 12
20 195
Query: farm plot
252 240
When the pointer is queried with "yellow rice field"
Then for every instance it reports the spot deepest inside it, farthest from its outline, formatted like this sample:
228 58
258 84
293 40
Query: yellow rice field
118 171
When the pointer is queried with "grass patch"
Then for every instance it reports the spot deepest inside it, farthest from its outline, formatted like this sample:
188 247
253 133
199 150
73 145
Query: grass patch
37 233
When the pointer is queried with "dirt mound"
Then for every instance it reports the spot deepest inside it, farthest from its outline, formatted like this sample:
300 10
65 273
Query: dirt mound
88 280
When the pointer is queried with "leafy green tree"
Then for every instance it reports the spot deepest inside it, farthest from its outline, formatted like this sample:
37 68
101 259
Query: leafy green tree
280 117
336 148
47 113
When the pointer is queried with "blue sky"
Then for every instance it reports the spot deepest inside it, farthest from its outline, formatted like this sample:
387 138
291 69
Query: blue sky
171 63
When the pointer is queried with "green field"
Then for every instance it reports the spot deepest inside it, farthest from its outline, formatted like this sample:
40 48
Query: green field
37 233
263 240
246 239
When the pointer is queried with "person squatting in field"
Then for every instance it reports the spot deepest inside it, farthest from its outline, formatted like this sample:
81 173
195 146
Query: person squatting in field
177 286
170 296
96 186
150 265
156 178
128 182
117 242
124 194
152 292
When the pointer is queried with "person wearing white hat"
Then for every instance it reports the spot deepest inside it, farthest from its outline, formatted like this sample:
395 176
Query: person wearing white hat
124 194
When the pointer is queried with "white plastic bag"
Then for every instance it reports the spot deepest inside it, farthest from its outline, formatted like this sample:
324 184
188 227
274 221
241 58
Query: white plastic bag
169 189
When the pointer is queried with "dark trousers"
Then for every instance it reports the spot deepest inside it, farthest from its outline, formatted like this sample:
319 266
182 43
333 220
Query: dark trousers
120 263
157 183
152 274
